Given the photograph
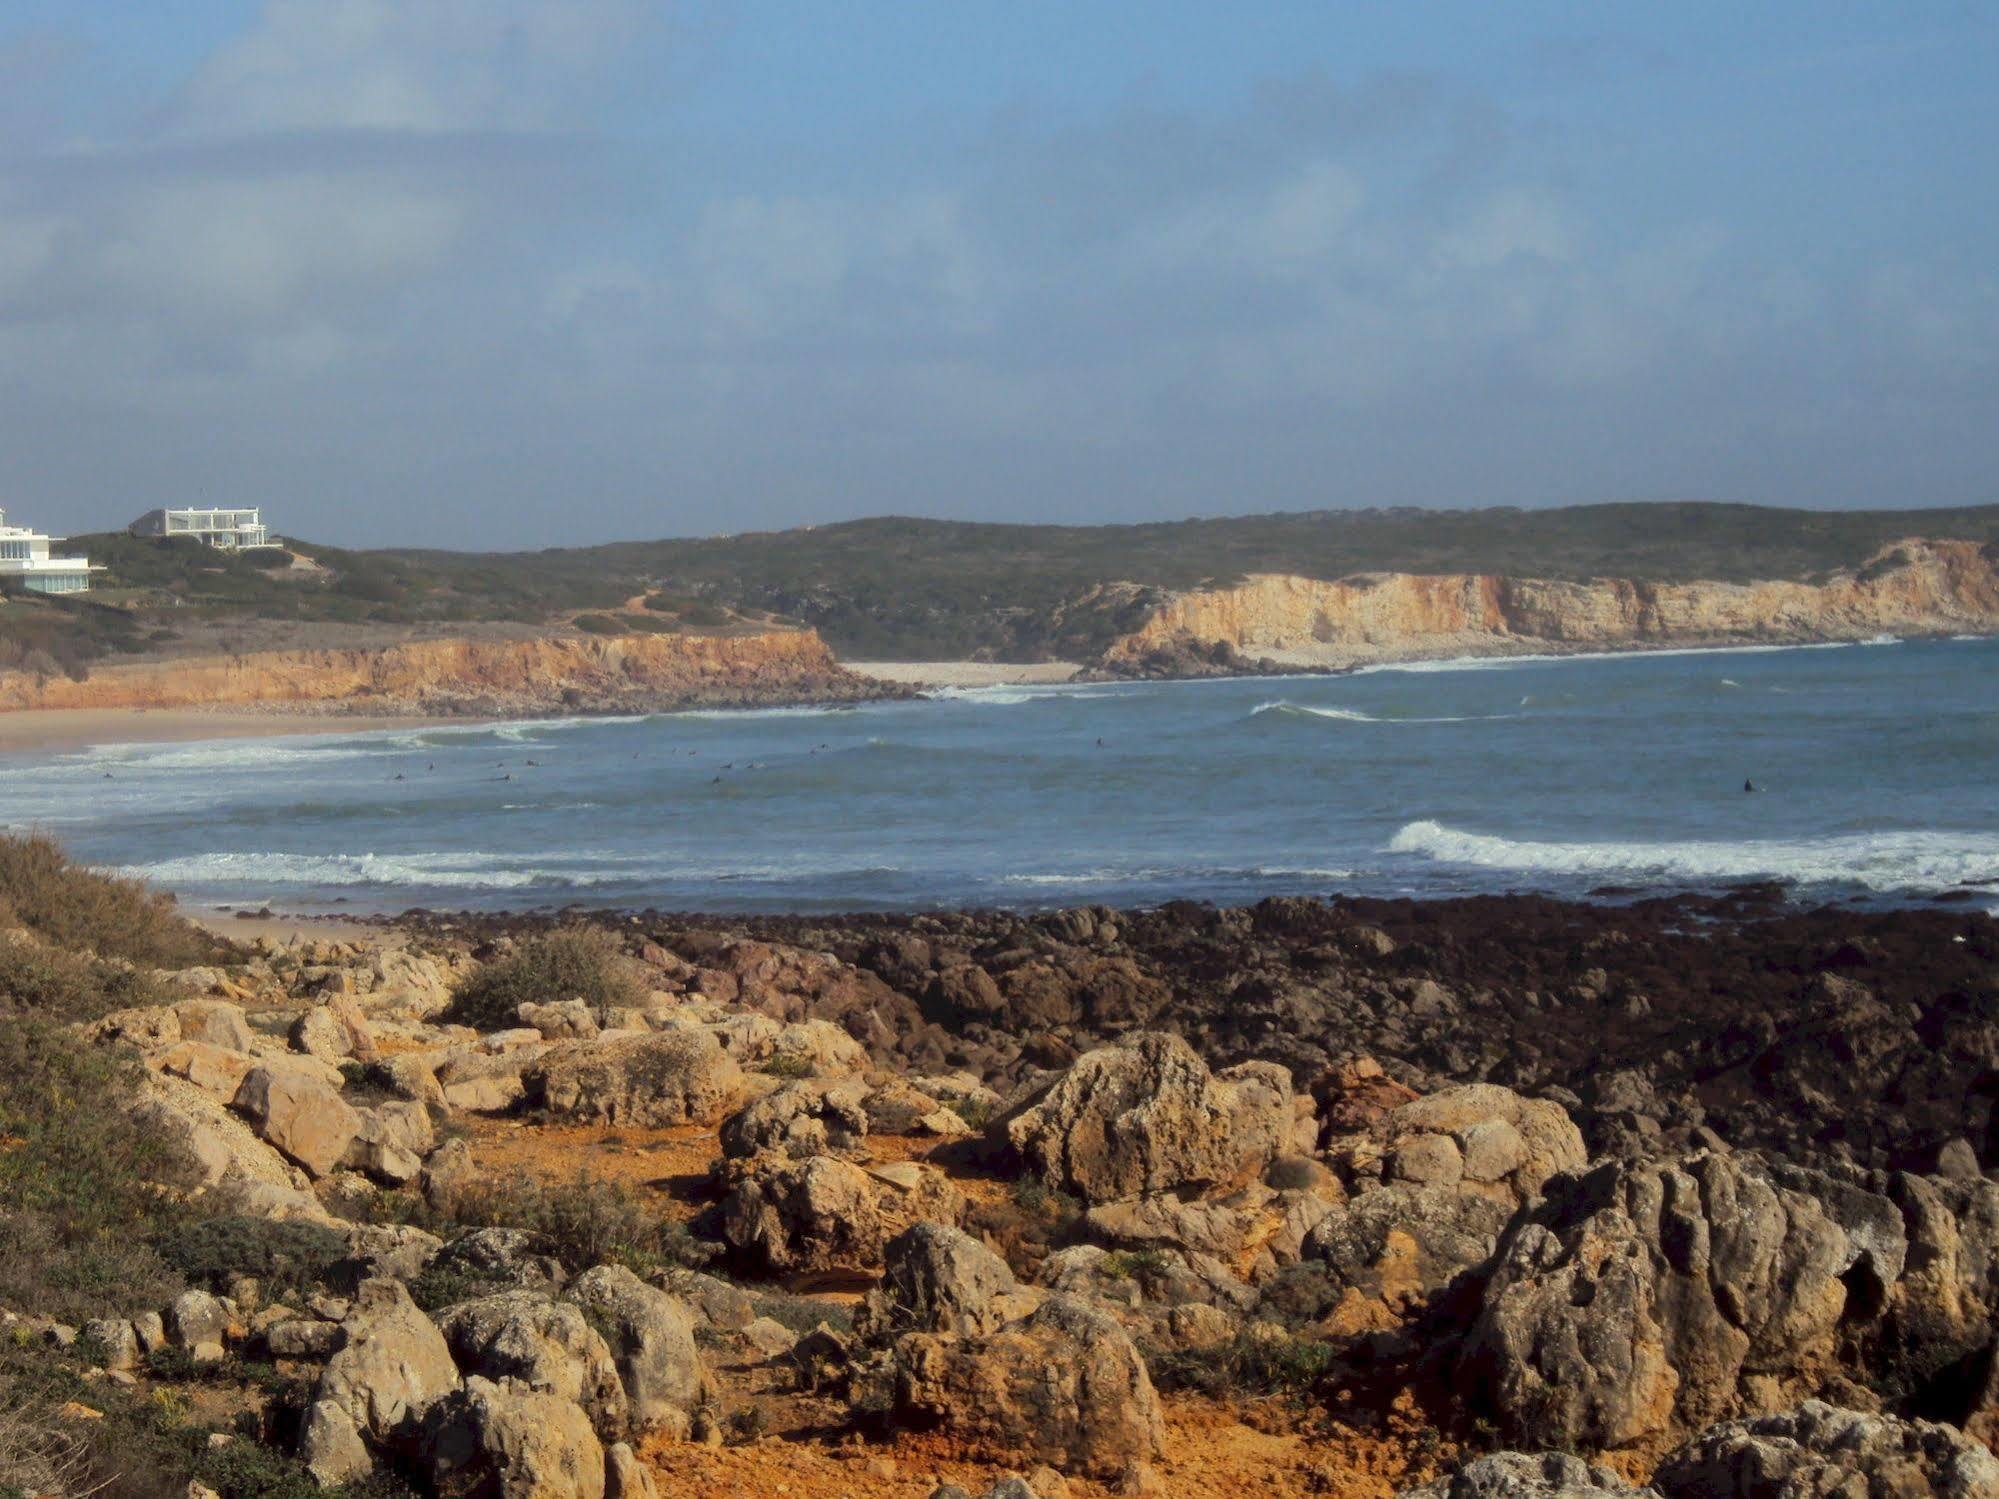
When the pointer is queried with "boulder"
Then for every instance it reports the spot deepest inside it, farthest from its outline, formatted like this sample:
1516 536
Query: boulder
502 1440
217 1072
940 1279
392 1365
541 1343
784 1216
651 1338
561 1020
625 1477
1523 1475
801 1119
213 1021
222 1147
303 1117
672 1077
1820 1450
199 1324
1146 1115
1637 1298
1063 1385
504 1256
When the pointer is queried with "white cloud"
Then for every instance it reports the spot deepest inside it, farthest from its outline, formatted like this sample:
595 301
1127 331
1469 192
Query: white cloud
421 65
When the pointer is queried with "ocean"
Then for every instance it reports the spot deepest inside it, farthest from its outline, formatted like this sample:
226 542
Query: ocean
1876 770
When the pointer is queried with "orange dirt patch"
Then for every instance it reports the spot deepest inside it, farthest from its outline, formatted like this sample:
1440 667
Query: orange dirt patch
670 1164
1266 1449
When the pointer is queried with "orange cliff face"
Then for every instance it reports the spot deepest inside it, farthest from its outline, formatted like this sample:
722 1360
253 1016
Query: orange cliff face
469 676
1911 587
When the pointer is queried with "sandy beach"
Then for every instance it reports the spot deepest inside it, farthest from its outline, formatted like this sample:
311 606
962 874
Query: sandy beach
38 730
965 673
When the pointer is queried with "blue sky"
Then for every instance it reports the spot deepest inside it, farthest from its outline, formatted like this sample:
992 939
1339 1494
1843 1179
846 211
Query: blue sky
493 272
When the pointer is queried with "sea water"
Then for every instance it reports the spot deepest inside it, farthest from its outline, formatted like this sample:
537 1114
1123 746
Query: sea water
1876 774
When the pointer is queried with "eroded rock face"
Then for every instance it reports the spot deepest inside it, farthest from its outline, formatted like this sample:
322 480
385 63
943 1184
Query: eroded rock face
1637 1299
675 1077
1146 1115
1434 1182
502 1440
784 1216
393 1365
651 1338
1821 1450
542 1344
1062 1385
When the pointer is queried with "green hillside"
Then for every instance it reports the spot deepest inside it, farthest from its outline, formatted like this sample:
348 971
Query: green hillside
899 587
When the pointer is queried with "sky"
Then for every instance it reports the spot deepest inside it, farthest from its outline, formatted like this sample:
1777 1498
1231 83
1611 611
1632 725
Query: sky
509 273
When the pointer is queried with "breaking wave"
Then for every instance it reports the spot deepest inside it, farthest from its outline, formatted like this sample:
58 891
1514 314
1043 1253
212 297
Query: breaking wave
1878 862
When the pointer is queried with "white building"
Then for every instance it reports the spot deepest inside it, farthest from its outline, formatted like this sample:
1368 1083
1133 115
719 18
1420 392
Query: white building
25 562
230 530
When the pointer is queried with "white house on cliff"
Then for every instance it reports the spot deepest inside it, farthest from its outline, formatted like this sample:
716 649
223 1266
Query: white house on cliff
25 562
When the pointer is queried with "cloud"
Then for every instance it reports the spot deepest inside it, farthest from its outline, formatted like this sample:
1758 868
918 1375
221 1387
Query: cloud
393 259
407 65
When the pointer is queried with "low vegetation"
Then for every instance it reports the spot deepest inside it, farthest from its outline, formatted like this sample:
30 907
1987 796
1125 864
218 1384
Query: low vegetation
81 1200
62 902
926 589
571 963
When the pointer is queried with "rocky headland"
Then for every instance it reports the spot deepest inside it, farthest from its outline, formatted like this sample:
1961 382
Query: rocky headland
1277 622
1496 1197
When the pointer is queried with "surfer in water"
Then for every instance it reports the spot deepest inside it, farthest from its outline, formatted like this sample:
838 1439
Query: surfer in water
1748 786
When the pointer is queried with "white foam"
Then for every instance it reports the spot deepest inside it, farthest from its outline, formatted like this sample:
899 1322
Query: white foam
1354 715
1538 658
1906 861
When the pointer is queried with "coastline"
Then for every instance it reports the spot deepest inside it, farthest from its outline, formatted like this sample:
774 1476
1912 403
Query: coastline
39 730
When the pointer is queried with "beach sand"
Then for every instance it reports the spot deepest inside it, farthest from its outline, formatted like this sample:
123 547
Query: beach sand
965 673
38 730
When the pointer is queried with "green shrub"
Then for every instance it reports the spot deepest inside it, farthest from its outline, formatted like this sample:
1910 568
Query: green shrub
586 1222
55 983
287 1258
598 624
1247 1365
83 909
81 1181
573 963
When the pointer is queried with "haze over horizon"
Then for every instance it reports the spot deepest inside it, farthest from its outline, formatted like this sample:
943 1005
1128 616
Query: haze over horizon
491 274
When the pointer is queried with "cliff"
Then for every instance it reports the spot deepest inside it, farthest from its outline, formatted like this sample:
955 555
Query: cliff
469 676
1915 586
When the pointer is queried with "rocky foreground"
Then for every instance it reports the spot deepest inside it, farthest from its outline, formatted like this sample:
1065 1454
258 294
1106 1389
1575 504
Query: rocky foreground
1484 1198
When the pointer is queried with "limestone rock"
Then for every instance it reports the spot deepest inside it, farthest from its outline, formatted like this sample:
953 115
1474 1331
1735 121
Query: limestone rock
310 1122
218 1024
1063 1385
674 1077
493 1440
801 1119
651 1339
940 1279
541 1343
1523 1475
1146 1115
392 1366
786 1216
1637 1297
1820 1450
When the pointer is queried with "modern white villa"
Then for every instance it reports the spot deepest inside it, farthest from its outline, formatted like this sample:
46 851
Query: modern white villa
231 530
25 562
